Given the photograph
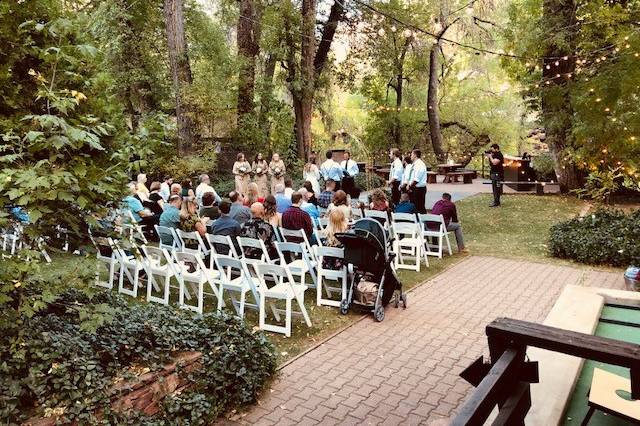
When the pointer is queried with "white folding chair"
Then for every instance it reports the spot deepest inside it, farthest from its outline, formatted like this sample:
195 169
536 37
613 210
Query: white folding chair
297 259
236 278
380 216
106 257
356 213
191 242
168 238
253 251
297 236
408 242
404 217
131 266
158 263
190 269
221 245
339 275
12 239
285 289
433 227
133 230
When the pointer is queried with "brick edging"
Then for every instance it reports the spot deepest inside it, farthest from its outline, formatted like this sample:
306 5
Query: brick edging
348 326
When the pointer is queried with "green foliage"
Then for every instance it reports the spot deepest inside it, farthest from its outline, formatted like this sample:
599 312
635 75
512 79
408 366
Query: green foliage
606 237
369 181
543 165
187 167
54 364
602 184
60 152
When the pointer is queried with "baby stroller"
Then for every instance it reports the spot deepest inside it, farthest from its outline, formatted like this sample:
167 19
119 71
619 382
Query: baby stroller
367 249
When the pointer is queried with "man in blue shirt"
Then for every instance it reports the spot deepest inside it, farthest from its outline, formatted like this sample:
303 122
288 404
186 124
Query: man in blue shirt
225 225
396 173
405 205
239 211
308 207
331 170
326 197
170 217
419 180
282 201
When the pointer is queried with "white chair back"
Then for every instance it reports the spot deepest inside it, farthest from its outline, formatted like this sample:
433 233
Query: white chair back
381 216
191 242
231 268
222 245
356 213
253 250
404 217
168 238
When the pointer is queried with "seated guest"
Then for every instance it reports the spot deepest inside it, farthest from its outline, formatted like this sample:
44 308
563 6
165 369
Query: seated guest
288 187
156 202
312 195
306 205
448 210
355 198
170 217
239 211
165 188
205 187
141 187
340 202
326 196
337 223
282 201
187 191
257 228
140 214
225 225
295 218
253 195
176 189
209 209
379 201
189 219
405 205
271 214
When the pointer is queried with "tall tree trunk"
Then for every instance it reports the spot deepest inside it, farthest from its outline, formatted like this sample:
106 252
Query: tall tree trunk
433 113
307 73
180 72
267 96
557 111
248 37
397 133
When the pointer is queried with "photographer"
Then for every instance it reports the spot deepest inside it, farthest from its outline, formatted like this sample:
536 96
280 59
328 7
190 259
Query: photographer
496 160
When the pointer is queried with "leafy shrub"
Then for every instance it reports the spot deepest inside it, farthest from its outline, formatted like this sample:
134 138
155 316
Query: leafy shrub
52 365
369 181
606 237
601 185
544 166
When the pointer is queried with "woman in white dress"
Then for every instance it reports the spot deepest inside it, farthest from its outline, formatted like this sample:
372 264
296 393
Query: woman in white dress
311 173
241 170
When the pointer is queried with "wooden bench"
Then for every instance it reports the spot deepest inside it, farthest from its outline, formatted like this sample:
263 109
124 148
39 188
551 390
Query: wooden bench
432 177
467 176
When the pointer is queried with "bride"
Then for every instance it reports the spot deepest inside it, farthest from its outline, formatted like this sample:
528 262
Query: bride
311 173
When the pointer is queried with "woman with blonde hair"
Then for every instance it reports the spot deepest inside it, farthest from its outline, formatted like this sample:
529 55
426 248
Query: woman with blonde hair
276 171
271 214
189 220
141 187
341 202
311 173
253 195
241 170
260 168
337 223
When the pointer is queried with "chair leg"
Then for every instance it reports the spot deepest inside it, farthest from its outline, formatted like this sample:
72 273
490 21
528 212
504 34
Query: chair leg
262 312
448 244
300 300
586 419
319 289
221 295
287 320
242 299
167 289
200 297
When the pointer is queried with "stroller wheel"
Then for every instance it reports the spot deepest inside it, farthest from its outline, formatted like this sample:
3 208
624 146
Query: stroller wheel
403 297
344 306
378 314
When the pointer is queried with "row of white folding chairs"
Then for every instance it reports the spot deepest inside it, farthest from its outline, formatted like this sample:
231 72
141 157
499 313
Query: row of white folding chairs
162 263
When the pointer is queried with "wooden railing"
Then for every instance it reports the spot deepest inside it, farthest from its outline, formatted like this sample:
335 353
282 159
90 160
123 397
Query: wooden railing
506 381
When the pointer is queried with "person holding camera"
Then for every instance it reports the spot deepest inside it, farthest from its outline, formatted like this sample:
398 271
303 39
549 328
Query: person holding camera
496 162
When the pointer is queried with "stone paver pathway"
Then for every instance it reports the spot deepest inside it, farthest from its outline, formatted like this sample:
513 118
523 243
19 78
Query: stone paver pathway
405 369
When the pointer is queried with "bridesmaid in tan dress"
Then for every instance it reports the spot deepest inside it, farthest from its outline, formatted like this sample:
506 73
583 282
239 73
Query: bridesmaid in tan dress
276 171
260 169
241 170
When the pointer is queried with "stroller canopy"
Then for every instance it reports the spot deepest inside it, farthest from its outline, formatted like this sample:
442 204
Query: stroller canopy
373 227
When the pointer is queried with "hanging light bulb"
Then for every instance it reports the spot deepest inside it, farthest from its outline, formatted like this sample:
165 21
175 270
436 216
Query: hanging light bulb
557 63
548 67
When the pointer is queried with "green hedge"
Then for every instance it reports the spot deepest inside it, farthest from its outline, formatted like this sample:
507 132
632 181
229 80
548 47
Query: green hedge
606 237
54 366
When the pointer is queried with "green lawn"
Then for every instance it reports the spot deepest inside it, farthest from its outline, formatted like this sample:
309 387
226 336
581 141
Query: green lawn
517 229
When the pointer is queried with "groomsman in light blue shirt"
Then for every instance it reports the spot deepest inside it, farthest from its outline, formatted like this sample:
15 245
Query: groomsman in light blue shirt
331 170
419 180
349 170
